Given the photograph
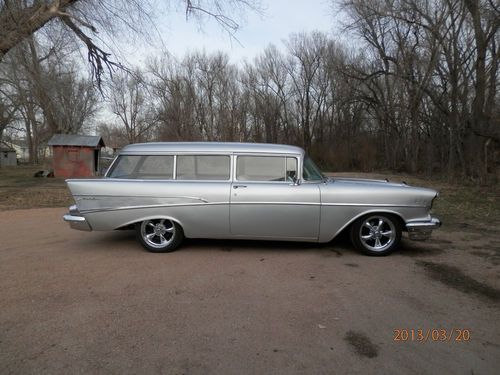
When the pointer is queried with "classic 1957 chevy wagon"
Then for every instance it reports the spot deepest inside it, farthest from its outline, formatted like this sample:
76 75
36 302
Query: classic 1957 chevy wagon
168 191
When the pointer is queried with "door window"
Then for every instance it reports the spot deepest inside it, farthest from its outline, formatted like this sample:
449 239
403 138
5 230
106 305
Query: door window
266 168
311 172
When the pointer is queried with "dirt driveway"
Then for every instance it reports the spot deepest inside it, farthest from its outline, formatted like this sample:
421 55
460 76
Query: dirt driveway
97 303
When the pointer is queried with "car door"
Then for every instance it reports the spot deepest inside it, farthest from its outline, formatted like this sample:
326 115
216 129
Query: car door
266 201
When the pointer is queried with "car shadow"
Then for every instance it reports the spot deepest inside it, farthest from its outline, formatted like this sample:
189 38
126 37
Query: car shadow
417 249
339 246
125 239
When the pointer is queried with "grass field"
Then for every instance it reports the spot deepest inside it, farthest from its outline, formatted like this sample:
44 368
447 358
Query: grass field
19 189
457 205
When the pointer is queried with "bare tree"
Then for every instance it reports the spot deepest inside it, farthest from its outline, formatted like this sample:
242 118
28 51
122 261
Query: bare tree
130 103
9 106
49 94
20 19
268 81
173 86
434 74
197 98
75 101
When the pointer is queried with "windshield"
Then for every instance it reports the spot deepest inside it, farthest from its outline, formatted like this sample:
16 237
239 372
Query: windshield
311 172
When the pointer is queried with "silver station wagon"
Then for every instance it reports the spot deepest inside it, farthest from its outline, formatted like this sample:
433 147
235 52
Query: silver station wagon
168 191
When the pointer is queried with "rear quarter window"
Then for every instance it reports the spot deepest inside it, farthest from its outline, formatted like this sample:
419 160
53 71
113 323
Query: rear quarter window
155 167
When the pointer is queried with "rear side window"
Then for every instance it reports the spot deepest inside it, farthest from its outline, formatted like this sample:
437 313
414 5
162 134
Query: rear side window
266 168
203 167
155 167
124 167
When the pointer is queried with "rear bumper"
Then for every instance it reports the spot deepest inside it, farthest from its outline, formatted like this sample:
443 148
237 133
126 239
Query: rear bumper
76 220
422 230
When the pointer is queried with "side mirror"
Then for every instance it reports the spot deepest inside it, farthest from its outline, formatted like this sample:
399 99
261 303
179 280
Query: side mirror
295 181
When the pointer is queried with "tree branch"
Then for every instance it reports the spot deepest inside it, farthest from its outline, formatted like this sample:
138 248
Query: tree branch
98 59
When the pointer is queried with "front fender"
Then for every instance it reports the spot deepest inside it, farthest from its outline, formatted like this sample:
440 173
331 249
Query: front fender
335 218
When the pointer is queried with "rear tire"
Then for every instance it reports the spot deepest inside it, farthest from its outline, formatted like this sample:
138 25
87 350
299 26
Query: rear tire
376 234
159 235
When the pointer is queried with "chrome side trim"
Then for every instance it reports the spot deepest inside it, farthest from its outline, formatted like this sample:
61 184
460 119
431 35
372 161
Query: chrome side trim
332 204
120 208
206 203
277 203
96 197
374 205
138 207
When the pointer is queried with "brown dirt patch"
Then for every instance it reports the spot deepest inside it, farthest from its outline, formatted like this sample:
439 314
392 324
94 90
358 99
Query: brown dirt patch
361 344
457 279
96 302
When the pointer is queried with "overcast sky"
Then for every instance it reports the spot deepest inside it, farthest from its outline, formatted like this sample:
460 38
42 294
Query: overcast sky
280 18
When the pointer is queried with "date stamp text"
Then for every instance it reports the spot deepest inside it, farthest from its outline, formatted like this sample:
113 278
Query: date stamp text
432 334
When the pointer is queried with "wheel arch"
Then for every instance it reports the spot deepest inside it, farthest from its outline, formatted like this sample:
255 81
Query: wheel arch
132 223
347 226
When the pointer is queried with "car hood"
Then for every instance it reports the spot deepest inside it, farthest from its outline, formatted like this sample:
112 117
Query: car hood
378 192
364 181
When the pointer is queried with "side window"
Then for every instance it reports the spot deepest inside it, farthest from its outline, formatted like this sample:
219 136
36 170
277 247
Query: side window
266 168
203 167
310 171
291 169
159 167
125 166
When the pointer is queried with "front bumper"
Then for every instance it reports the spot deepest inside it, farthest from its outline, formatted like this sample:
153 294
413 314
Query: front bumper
76 220
421 230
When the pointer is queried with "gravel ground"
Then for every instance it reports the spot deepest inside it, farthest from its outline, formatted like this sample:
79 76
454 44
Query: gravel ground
76 302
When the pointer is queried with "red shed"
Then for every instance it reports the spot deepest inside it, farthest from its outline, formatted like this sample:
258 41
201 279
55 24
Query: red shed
76 155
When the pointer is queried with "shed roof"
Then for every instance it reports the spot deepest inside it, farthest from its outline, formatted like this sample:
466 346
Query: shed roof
76 140
5 147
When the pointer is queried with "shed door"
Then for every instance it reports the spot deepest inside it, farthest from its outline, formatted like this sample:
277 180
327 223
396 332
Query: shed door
96 161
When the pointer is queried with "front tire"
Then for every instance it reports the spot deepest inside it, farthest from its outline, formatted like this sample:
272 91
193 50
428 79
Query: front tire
159 235
376 234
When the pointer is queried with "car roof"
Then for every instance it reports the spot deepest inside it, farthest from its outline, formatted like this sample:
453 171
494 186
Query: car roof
210 147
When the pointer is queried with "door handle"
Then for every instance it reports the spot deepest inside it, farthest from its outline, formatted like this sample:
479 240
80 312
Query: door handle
239 186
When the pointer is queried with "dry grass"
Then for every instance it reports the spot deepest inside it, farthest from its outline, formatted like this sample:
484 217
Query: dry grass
457 205
19 189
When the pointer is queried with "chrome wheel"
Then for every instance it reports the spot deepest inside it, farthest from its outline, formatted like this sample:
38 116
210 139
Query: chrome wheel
158 233
377 233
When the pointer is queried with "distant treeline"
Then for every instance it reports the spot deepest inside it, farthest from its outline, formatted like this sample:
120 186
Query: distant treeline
416 92
420 96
